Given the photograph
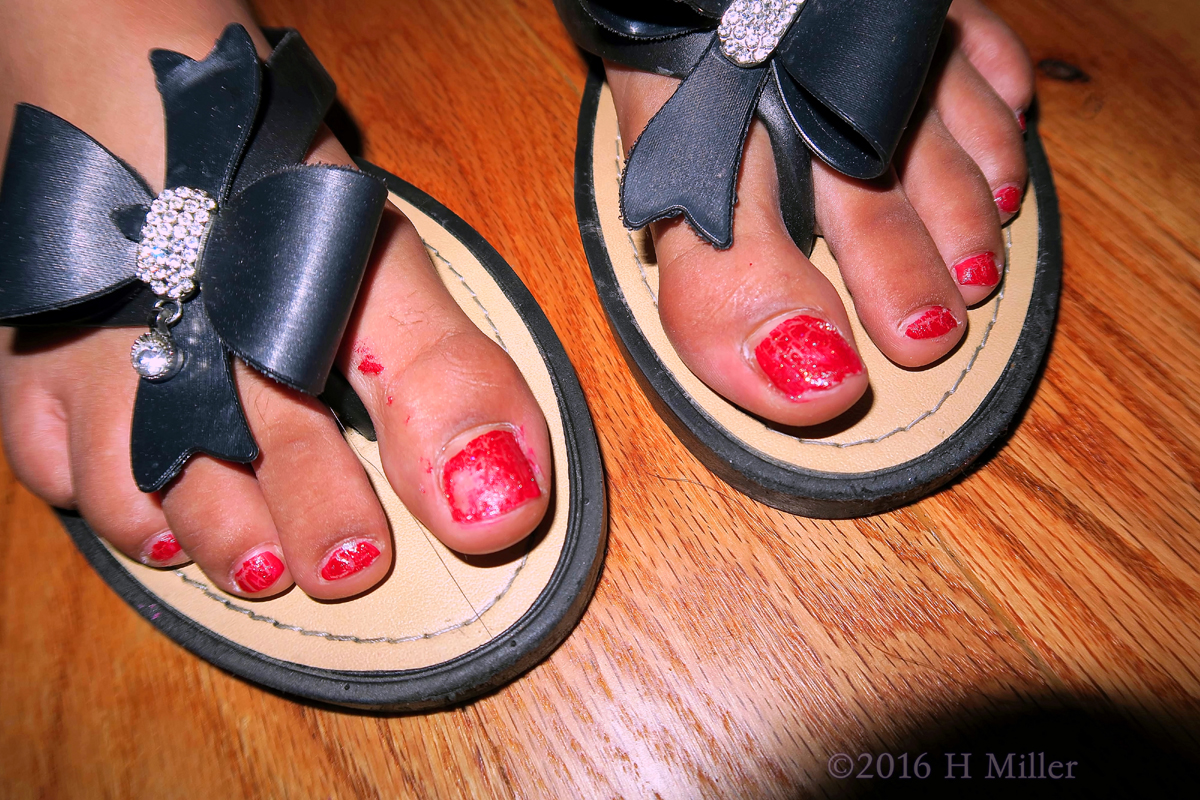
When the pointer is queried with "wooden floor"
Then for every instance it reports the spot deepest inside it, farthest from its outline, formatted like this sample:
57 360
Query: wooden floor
1048 602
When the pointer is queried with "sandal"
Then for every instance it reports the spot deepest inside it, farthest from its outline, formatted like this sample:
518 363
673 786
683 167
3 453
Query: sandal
85 242
922 427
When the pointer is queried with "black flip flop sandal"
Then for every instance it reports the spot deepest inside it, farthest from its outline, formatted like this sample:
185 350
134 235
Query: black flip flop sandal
916 429
441 628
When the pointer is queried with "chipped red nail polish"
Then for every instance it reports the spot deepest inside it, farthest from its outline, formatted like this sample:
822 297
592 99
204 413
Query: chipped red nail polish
977 270
805 354
935 322
1008 199
349 558
162 549
258 572
489 477
1021 119
369 366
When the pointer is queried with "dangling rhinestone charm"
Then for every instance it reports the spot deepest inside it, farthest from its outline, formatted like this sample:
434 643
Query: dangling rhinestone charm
172 238
155 356
750 30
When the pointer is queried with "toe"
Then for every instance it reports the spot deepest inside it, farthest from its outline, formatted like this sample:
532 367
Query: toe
902 290
331 528
756 322
462 438
995 51
950 194
981 122
34 427
99 427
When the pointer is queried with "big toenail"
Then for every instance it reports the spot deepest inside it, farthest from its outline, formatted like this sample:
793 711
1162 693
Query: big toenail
930 323
163 551
348 558
1008 199
805 354
977 270
488 477
258 572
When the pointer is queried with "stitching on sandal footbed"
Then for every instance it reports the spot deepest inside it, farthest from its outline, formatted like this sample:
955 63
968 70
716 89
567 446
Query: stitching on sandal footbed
917 429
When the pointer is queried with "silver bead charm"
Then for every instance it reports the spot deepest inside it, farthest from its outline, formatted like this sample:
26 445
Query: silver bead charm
750 30
155 356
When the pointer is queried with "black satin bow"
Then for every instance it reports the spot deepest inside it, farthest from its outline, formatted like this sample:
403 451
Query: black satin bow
842 84
278 274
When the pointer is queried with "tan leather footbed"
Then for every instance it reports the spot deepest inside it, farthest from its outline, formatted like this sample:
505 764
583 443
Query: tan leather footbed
912 410
435 604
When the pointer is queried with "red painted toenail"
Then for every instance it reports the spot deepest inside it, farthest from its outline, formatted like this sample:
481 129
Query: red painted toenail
349 558
489 477
934 322
259 572
805 354
977 270
1021 119
1008 199
163 550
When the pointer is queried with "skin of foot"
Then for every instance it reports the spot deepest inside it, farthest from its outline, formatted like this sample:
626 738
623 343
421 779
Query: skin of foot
763 327
462 439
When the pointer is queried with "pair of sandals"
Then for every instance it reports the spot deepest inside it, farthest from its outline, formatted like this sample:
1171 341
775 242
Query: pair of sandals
248 253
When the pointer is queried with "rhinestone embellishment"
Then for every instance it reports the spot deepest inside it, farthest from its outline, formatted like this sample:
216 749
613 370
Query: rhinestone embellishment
171 240
750 30
155 356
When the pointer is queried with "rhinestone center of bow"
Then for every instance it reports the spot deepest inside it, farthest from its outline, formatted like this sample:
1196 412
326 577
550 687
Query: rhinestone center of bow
750 30
171 240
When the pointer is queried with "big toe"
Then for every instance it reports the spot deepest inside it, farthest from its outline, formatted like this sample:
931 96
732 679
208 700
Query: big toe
462 439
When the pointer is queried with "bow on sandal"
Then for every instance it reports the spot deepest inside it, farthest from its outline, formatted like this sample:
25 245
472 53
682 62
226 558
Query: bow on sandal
839 78
243 252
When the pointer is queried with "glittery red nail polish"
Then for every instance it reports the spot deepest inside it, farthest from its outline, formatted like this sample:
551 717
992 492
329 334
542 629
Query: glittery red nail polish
805 354
164 548
1008 199
348 559
258 572
488 477
977 270
935 322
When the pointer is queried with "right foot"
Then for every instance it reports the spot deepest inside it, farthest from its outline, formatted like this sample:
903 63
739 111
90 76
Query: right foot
462 439
763 327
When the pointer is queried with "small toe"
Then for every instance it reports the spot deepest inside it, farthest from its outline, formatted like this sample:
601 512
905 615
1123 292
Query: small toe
951 196
331 528
986 129
219 517
903 292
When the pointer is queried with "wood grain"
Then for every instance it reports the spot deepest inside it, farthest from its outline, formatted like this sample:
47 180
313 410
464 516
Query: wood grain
1049 601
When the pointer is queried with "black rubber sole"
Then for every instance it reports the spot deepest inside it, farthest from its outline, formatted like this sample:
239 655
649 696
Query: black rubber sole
795 489
541 629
